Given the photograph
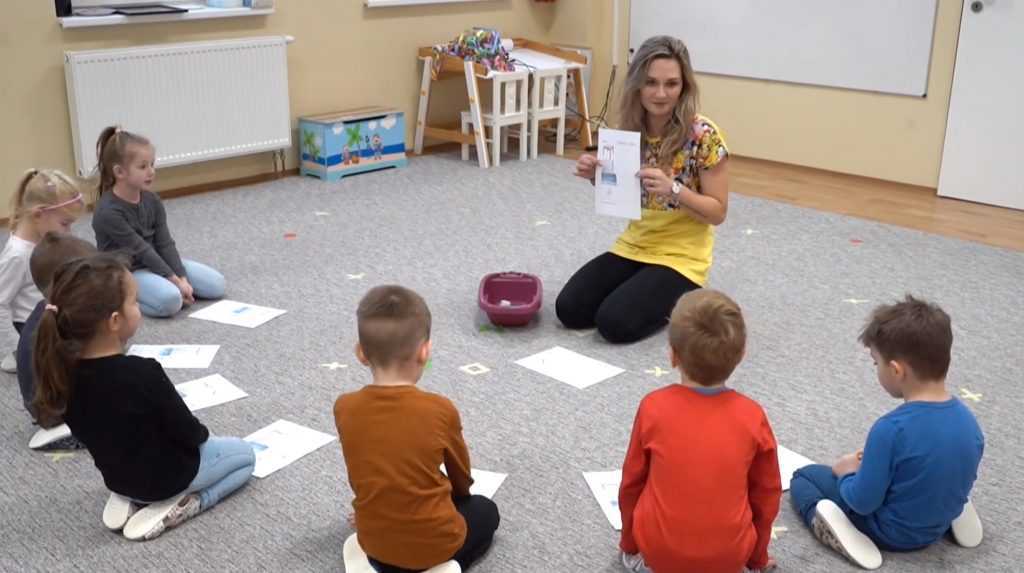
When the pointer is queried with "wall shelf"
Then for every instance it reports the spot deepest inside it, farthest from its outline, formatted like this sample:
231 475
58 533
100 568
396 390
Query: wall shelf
194 14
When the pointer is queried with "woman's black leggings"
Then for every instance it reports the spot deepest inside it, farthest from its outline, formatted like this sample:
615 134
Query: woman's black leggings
626 300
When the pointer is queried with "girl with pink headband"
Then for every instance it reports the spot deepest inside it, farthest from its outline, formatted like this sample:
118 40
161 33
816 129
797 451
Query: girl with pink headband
45 201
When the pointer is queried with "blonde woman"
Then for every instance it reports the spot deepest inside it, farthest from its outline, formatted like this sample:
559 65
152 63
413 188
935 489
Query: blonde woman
629 291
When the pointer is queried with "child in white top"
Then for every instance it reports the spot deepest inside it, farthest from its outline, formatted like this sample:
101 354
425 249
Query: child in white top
45 201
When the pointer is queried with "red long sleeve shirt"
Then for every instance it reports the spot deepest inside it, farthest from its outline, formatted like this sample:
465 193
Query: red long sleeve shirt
700 483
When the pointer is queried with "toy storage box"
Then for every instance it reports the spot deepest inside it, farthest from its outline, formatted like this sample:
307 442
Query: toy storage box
334 145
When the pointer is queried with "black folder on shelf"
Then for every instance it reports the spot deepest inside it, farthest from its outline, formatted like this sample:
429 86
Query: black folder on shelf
149 9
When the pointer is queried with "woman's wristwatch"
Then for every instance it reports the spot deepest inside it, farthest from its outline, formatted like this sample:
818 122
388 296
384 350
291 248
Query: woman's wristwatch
677 187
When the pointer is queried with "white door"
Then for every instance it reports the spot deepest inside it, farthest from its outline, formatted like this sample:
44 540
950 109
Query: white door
983 155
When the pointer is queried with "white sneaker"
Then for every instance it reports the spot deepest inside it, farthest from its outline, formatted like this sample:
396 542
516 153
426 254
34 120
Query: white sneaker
446 567
9 364
117 511
966 528
831 526
356 560
152 520
634 562
43 437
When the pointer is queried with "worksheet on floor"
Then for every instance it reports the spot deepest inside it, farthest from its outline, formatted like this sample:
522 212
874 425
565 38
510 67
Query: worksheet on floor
617 189
485 483
789 462
237 313
208 391
570 367
605 487
177 355
282 443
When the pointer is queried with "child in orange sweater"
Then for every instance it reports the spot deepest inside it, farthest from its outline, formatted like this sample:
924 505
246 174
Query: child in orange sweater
394 436
700 483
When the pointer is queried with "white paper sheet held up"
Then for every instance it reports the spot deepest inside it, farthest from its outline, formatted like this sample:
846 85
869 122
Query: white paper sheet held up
789 462
485 483
237 313
605 487
617 189
177 355
570 367
282 443
208 391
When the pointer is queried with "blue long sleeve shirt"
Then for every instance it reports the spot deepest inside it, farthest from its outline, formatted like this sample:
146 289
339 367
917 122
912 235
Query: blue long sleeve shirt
920 462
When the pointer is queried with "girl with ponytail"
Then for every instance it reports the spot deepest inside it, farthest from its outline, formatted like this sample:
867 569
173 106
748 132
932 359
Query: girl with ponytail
130 218
145 442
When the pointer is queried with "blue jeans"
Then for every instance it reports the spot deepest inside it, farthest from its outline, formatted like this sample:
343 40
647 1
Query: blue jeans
160 298
225 464
811 484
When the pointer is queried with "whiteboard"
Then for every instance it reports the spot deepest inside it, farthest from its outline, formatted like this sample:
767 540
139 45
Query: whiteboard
874 45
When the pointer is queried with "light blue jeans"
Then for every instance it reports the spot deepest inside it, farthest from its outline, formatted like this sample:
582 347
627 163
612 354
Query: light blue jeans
160 298
225 464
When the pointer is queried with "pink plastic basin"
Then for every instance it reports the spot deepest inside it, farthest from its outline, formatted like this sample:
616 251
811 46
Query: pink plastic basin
510 298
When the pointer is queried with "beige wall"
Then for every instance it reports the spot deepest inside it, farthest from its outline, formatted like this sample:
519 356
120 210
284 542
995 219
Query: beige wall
347 56
344 56
890 137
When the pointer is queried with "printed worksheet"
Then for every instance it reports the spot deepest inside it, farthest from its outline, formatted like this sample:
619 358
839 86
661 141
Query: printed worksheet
177 355
237 313
282 443
570 367
208 391
789 462
605 487
485 483
617 189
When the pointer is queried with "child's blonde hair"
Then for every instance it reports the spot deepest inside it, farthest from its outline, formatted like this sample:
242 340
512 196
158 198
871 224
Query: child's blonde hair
112 149
708 335
45 190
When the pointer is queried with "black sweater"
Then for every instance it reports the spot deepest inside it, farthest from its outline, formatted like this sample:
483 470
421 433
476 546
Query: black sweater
142 436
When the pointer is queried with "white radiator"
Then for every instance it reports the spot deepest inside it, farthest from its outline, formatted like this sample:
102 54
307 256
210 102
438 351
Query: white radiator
195 101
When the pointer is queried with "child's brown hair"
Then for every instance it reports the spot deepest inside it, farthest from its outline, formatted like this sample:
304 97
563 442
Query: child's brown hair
393 321
84 293
111 150
54 250
708 335
914 331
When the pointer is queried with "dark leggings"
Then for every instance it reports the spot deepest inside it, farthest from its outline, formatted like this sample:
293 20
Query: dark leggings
481 515
626 300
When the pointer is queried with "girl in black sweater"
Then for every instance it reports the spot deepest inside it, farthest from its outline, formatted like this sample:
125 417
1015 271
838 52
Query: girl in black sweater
149 447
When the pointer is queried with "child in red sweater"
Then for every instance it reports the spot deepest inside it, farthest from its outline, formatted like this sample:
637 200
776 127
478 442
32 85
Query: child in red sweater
700 483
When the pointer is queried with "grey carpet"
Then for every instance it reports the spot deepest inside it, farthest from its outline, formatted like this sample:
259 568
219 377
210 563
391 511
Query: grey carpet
438 226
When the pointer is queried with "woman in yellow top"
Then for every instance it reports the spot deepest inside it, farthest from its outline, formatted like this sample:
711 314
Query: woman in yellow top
628 292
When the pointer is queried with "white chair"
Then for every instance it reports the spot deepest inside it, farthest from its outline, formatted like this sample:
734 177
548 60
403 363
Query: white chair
547 101
357 562
509 108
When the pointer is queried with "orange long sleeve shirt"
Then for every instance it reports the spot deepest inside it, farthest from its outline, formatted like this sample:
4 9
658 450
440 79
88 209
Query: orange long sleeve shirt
394 439
700 483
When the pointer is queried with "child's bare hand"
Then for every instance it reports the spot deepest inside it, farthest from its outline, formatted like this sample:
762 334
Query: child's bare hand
187 295
586 167
847 464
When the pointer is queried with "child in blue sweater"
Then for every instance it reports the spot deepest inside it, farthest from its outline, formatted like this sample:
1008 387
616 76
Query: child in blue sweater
910 484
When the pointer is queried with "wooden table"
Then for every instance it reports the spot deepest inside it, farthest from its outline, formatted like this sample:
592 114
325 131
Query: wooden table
527 55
